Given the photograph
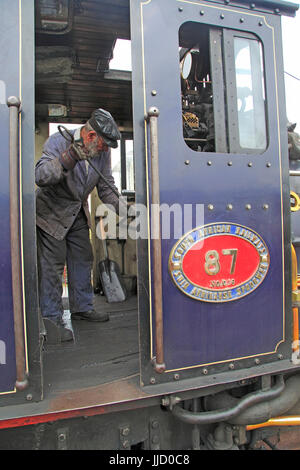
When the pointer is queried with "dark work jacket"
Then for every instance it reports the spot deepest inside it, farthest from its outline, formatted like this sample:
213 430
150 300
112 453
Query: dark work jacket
62 193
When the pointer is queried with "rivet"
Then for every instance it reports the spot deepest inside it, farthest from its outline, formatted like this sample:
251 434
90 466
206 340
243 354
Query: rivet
257 361
180 9
210 207
250 164
209 163
152 380
266 207
277 11
252 5
204 371
242 20
260 23
125 431
201 12
229 207
176 376
187 162
231 366
229 163
153 92
248 207
226 1
268 165
29 397
222 16
280 356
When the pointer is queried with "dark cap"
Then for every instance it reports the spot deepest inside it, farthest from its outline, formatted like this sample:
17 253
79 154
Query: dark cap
103 123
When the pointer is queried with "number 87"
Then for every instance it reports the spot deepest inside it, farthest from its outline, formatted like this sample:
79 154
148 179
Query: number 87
212 263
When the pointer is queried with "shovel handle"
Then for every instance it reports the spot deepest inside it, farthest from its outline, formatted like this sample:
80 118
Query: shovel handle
103 238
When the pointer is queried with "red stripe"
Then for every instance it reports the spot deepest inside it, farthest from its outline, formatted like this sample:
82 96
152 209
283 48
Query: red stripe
45 418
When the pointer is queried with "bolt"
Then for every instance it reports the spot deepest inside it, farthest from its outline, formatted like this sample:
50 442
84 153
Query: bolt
204 371
210 207
229 163
229 207
153 92
250 164
62 437
257 361
268 165
280 356
187 162
209 163
248 207
266 207
231 366
125 431
152 380
125 444
29 397
176 376
242 20
180 9
154 424
222 16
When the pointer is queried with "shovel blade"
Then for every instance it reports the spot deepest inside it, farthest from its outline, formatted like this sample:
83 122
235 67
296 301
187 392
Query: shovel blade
112 286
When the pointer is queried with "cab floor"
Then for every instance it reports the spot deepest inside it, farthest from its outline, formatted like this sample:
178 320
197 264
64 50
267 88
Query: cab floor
100 353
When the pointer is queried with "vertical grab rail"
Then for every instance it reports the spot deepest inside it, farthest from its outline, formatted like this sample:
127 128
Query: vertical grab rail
14 107
152 117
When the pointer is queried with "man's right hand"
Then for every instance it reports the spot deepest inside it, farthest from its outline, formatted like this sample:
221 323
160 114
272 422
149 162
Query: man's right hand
70 157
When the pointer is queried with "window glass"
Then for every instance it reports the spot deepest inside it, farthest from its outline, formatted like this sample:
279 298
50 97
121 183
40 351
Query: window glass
129 165
116 166
196 87
250 93
222 90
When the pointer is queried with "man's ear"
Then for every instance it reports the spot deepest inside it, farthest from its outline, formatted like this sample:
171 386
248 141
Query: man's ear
91 136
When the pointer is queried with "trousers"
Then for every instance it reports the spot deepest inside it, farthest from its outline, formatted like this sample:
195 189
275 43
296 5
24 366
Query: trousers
76 252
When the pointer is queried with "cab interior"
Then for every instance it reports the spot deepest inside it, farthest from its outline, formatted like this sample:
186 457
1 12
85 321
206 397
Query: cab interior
75 44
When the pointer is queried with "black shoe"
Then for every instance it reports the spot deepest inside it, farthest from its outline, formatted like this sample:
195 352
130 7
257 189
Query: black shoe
91 315
56 331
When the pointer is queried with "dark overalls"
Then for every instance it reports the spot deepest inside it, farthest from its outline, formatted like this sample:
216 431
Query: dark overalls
63 222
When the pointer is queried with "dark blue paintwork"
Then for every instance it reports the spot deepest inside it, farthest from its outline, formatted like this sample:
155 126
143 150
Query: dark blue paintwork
9 46
198 333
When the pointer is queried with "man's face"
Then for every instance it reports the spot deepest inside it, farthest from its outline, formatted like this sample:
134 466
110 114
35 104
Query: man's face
94 144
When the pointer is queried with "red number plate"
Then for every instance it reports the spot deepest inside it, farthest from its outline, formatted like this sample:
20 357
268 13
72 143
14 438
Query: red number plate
219 262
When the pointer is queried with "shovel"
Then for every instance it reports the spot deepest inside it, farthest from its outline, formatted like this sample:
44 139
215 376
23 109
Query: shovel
110 275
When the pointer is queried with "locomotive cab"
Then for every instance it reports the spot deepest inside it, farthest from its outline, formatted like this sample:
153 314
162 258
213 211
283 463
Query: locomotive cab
206 258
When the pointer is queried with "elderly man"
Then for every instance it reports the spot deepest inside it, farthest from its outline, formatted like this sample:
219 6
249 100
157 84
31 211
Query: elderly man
64 181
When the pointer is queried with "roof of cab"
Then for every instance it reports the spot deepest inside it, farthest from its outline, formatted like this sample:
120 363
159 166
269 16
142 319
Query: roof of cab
277 6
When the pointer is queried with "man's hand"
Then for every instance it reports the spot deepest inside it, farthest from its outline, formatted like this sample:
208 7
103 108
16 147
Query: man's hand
70 157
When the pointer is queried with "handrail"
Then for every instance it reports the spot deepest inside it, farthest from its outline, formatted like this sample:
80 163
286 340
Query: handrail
159 364
14 107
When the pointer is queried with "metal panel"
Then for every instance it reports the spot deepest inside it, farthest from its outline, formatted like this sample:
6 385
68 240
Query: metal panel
235 189
17 79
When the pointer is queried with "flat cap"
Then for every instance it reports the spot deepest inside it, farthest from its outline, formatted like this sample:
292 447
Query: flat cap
103 123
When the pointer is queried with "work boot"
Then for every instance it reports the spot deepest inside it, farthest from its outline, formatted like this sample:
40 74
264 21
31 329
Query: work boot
56 331
90 315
